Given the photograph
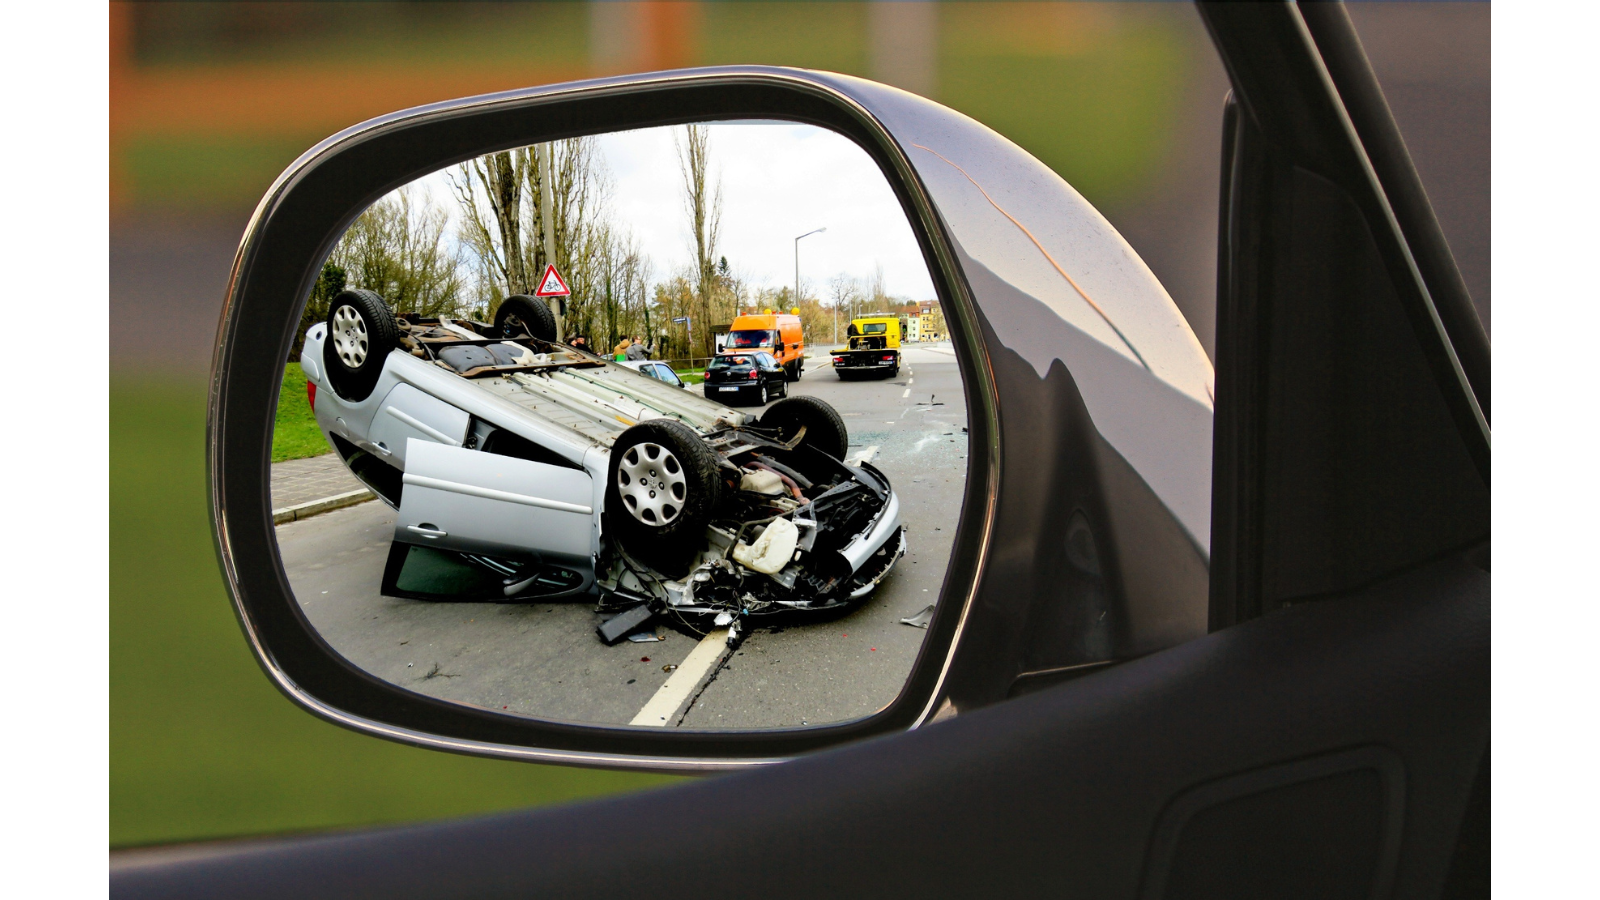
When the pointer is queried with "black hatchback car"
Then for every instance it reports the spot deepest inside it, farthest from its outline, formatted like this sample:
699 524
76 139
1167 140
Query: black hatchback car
746 378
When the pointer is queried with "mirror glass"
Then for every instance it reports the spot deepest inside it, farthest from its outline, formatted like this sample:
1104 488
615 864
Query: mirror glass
657 428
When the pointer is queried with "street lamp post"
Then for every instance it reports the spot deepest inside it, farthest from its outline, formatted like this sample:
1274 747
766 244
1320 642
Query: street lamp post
797 269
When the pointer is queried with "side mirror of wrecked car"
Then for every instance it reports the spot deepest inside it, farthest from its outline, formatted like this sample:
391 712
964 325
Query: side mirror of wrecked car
528 551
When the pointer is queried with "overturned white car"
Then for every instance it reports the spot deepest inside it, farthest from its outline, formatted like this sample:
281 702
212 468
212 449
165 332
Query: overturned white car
522 468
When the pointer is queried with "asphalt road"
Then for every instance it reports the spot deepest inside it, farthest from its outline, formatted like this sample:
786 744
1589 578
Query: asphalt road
544 659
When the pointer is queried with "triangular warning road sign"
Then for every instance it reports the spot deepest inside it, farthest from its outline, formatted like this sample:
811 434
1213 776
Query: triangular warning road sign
552 284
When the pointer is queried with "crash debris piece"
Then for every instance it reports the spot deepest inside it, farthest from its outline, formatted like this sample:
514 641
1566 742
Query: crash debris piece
644 637
921 619
614 628
772 550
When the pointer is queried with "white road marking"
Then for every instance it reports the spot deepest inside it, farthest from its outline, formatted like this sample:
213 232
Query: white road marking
906 394
912 380
663 707
864 456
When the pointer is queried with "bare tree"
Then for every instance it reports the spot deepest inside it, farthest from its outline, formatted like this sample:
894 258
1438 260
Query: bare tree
397 248
878 294
702 196
844 291
490 190
501 197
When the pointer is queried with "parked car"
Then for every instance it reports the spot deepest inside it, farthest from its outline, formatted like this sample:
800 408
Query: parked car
779 334
560 473
660 371
746 378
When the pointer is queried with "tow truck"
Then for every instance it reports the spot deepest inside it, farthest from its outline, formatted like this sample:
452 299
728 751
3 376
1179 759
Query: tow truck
874 347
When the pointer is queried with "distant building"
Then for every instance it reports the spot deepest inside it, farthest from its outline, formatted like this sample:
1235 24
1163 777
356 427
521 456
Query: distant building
928 323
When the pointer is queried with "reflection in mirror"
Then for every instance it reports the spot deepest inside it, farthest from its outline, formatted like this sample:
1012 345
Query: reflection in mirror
654 428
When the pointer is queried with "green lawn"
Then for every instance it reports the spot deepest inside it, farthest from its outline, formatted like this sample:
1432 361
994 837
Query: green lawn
295 434
202 746
691 376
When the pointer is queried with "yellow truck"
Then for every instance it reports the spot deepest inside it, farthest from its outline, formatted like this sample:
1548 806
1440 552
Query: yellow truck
874 348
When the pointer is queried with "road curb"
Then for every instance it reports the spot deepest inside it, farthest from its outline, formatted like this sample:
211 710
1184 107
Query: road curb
317 507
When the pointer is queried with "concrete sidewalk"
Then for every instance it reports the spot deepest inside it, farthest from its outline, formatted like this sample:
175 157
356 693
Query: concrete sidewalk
305 487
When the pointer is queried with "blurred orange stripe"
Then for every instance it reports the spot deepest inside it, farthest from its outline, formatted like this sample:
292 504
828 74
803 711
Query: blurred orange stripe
296 99
284 99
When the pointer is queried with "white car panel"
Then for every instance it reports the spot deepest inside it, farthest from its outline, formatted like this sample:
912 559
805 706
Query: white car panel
407 413
475 502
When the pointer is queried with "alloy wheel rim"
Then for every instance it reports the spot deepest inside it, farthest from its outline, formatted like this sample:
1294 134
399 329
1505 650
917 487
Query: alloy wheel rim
349 337
651 483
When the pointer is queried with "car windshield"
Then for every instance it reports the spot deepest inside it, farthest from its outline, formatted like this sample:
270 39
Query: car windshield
874 328
752 338
730 362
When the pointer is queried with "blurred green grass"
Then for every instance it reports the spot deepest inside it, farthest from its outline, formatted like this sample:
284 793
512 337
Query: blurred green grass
295 434
202 745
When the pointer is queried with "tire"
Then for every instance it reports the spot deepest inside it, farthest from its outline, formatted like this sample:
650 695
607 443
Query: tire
761 394
791 372
843 374
894 372
361 333
658 514
521 315
825 428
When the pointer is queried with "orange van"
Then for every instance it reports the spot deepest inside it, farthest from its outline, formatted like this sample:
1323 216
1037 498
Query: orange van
776 333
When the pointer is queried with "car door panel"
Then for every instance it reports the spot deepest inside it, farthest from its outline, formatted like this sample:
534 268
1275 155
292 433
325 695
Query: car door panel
475 502
406 414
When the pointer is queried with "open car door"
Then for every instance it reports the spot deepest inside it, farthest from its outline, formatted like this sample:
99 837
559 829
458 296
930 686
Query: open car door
531 523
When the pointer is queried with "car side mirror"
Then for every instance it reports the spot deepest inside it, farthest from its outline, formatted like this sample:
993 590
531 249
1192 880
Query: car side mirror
1026 505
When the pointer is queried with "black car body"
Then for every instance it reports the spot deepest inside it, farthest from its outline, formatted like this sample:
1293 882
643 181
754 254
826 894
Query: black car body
745 378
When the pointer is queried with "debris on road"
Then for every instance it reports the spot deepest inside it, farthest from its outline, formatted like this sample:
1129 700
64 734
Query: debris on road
921 619
614 628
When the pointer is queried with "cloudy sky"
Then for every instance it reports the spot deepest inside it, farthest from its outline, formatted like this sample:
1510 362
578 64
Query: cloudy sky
779 180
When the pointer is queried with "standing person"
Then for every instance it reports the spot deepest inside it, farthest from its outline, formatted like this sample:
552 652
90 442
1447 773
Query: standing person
637 349
580 343
620 352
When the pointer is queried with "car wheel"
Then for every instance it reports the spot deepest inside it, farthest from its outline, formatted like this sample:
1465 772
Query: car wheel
825 428
662 486
361 332
762 395
523 316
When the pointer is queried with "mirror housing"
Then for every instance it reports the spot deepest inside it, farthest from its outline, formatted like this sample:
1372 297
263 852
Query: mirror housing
1084 533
